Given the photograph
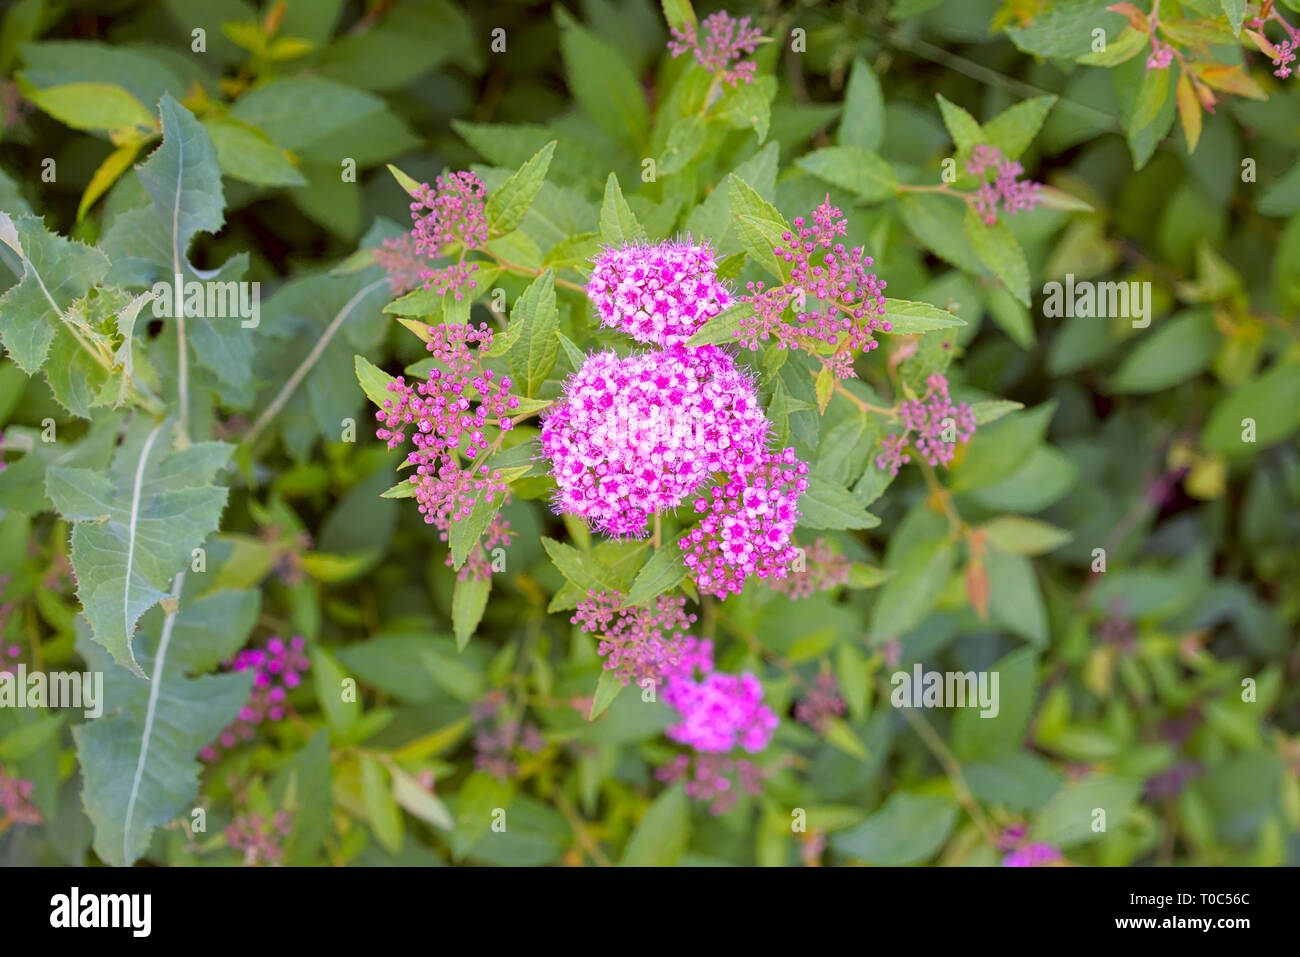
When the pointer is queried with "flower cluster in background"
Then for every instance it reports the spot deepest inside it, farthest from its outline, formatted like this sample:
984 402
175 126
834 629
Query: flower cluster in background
820 570
497 736
259 840
643 642
822 704
278 669
720 46
15 794
835 300
1007 191
934 426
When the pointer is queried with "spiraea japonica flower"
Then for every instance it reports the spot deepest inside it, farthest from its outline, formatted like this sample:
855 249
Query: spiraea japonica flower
450 219
832 296
933 425
720 713
719 44
746 526
277 669
15 800
638 435
445 419
822 570
644 642
660 292
1007 191
714 778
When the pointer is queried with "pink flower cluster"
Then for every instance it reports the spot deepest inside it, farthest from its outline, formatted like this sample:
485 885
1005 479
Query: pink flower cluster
450 217
638 435
15 800
1287 49
404 267
661 293
1032 855
278 669
822 704
648 641
446 417
497 737
934 426
714 778
725 40
257 839
1007 189
720 713
822 571
1162 54
834 298
496 535
747 525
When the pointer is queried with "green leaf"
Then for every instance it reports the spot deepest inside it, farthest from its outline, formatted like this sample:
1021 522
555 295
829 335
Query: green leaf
908 829
1271 401
1017 535
1012 130
464 535
991 410
607 689
1065 29
935 221
411 795
908 318
468 601
1236 11
1015 601
618 224
602 83
863 122
749 106
678 13
138 759
976 735
246 153
406 182
328 679
90 106
832 507
858 170
723 327
1011 316
381 809
533 355
758 224
962 127
135 527
374 381
56 272
998 249
997 451
511 200
1067 818
662 834
581 568
908 596
1177 350
664 571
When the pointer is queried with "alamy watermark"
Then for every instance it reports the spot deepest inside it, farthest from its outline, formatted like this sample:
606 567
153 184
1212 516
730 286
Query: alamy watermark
209 299
951 689
1099 300
20 688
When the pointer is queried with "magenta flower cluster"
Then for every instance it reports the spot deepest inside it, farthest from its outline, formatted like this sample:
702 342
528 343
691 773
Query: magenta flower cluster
637 435
643 642
660 293
278 669
934 426
259 840
720 47
714 778
822 704
821 570
833 297
446 417
498 736
404 267
15 800
746 526
449 218
720 713
1286 50
1007 190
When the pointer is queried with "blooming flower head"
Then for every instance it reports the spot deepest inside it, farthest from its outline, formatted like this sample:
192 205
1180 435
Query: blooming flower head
746 526
720 713
934 425
1007 190
641 642
639 435
277 669
719 50
661 293
446 417
450 216
822 704
834 298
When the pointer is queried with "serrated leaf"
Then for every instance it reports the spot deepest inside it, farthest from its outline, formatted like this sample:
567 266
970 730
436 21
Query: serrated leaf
374 381
664 571
998 249
723 327
618 224
964 129
607 688
908 318
758 224
831 507
468 602
863 122
858 170
513 198
1014 128
135 527
602 83
532 357
138 758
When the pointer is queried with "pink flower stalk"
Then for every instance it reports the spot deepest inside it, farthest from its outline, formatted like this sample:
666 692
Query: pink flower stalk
661 293
278 669
15 795
822 705
641 642
404 267
637 436
720 713
835 300
725 40
823 570
259 840
450 218
1007 189
934 426
746 526
446 417
714 778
